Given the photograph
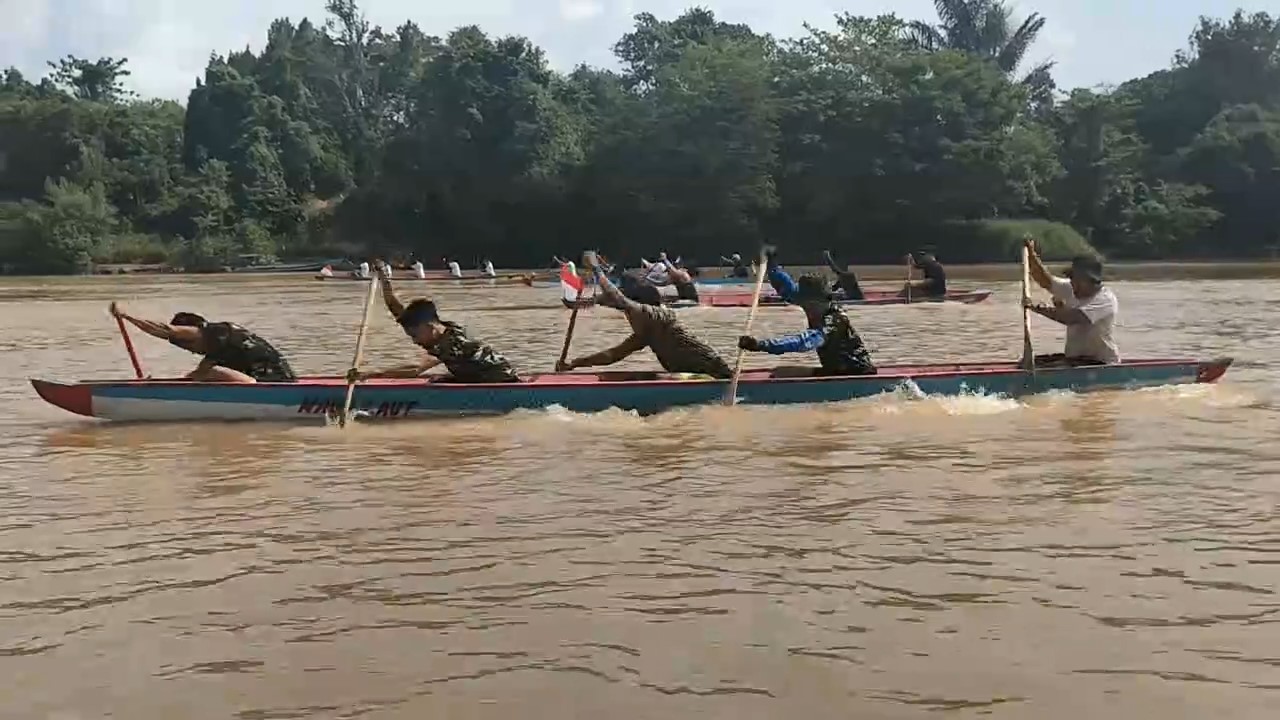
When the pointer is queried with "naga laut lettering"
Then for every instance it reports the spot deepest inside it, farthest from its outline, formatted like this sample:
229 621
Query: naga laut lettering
317 406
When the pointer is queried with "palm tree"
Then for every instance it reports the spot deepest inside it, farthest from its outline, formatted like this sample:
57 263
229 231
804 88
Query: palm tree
985 28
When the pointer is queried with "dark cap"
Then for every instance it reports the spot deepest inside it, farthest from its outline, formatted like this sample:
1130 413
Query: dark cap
647 295
186 319
812 288
418 312
1085 267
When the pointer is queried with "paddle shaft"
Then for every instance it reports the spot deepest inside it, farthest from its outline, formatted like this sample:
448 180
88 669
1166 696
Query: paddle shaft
573 320
731 396
128 346
1028 355
908 279
355 361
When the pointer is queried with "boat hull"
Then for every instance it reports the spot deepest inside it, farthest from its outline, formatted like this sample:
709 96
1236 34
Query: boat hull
736 299
438 279
316 398
313 267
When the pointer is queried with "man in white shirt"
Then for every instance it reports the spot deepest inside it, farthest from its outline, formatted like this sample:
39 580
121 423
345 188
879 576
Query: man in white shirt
1082 303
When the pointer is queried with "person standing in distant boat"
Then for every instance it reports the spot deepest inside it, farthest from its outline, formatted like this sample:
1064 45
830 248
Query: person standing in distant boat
840 348
654 327
419 271
446 343
362 272
385 270
455 270
1081 302
230 353
487 269
934 284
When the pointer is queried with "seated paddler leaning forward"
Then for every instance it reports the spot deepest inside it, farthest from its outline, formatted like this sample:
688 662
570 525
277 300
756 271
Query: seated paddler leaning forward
446 343
229 353
840 348
654 327
1082 303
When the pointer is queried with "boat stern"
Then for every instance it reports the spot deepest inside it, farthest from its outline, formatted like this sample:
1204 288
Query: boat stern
77 398
1211 370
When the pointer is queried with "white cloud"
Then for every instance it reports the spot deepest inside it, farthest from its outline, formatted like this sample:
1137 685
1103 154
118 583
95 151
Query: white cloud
575 10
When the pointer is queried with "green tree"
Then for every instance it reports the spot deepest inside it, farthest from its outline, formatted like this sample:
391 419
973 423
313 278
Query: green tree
60 234
877 136
1237 158
96 81
985 28
691 160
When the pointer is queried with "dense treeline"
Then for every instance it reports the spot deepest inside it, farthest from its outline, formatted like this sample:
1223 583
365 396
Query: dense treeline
875 137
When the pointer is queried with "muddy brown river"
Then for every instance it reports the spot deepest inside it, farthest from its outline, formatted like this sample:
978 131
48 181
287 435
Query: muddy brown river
1114 555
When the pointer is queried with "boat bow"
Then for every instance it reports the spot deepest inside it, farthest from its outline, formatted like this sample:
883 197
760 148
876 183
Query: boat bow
1211 370
76 398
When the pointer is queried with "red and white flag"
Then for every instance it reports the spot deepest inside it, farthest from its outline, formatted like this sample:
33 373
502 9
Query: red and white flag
570 283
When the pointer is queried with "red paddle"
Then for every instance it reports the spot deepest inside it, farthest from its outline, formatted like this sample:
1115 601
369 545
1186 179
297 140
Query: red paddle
128 345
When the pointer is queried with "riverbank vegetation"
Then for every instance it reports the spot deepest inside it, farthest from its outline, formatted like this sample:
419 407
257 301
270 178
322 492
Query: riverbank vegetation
870 138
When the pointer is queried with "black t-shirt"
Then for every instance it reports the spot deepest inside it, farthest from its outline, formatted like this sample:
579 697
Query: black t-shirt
935 276
842 351
470 361
230 346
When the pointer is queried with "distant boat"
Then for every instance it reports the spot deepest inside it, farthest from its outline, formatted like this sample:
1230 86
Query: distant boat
267 264
734 298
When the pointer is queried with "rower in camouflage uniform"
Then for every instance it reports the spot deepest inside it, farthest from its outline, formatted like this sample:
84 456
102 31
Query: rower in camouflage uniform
466 359
656 328
840 349
230 352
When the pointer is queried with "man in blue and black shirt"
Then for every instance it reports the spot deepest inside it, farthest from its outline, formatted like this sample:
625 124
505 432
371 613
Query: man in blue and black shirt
840 349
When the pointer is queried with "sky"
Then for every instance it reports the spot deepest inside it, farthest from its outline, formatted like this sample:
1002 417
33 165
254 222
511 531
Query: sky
168 42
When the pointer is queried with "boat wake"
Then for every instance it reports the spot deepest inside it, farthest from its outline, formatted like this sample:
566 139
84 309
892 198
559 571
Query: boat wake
1215 395
909 398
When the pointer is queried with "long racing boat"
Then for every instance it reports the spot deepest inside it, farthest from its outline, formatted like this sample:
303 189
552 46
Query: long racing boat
316 398
735 298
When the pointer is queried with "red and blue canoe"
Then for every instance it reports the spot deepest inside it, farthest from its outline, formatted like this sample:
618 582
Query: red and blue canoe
734 298
644 392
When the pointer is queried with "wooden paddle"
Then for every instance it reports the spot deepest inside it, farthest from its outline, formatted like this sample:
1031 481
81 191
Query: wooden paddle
1028 355
908 278
573 320
128 346
731 396
355 361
